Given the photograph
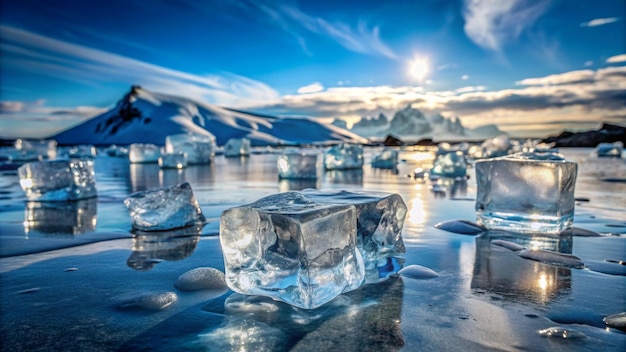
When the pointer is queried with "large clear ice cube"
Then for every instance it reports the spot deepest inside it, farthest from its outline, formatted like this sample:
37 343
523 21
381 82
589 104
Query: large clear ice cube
292 249
343 156
451 164
299 164
236 147
164 208
200 149
387 159
526 193
144 153
58 180
380 218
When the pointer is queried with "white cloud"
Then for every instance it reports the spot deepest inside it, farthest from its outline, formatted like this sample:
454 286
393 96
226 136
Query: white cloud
492 23
471 89
27 51
599 22
465 77
616 59
311 88
11 106
588 63
580 76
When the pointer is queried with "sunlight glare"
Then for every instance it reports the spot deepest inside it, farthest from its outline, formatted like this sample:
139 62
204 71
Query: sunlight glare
418 68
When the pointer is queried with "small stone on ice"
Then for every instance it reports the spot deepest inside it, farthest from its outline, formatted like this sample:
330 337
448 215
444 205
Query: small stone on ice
149 300
418 272
617 321
463 227
551 257
508 245
201 279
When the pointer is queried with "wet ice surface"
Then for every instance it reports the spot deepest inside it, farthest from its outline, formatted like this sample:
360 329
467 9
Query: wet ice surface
486 296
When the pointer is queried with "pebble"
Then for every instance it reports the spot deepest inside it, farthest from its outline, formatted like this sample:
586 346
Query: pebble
203 278
418 272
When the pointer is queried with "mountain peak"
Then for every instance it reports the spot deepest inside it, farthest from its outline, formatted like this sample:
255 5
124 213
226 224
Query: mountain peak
142 116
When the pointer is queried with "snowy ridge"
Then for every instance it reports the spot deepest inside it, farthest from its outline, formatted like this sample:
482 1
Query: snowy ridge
412 123
147 117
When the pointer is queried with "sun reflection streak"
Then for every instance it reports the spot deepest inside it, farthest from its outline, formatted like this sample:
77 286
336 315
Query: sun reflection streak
417 212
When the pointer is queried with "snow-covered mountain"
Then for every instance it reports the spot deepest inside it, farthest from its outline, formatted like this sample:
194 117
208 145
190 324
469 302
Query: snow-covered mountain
147 117
412 123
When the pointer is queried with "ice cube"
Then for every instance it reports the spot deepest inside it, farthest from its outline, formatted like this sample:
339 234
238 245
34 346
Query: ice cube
173 160
200 149
526 193
495 147
143 153
610 149
292 249
164 208
58 180
380 218
236 147
81 151
299 164
343 156
47 148
387 159
451 164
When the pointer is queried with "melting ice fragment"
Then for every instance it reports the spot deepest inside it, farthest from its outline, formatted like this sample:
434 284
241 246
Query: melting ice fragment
463 227
143 153
610 149
418 272
164 209
343 156
526 193
200 149
32 149
380 218
562 333
236 147
299 164
451 164
58 180
173 160
552 257
290 248
387 159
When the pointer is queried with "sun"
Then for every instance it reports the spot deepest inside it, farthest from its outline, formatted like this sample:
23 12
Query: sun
418 68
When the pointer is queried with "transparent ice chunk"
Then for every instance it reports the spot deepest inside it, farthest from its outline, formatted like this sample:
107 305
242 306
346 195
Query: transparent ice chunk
299 164
380 218
46 148
610 149
451 164
164 208
144 153
387 159
200 149
236 147
292 249
526 192
495 147
58 180
343 156
173 160
81 151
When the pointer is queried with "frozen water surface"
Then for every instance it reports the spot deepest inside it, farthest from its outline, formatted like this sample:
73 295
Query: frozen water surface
486 297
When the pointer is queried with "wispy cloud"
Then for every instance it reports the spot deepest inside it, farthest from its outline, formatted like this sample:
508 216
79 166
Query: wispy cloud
616 59
599 22
28 51
492 23
359 38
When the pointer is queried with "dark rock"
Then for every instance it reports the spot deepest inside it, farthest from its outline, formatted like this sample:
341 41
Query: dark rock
608 133
392 141
426 142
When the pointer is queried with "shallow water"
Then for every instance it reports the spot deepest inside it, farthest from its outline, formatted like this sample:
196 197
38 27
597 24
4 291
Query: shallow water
75 277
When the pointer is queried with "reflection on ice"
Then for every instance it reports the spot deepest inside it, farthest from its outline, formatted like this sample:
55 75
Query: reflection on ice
285 185
348 177
61 218
502 272
256 323
150 248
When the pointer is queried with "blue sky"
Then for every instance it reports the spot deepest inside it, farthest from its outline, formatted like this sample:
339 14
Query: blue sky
531 67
